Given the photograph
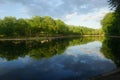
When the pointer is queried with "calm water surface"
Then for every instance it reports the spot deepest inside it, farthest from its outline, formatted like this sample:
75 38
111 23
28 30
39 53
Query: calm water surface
72 59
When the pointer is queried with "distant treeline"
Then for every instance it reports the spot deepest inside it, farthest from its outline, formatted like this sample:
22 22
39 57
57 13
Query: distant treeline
41 26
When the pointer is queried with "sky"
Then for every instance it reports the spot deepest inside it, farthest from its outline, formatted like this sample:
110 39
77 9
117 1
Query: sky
74 12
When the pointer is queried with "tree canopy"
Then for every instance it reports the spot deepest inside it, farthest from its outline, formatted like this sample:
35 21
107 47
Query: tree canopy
40 26
110 24
115 4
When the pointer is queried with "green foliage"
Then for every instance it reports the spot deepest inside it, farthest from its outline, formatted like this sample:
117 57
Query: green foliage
40 26
115 4
21 28
110 24
107 22
7 26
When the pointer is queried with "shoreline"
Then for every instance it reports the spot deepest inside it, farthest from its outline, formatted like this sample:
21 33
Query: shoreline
115 36
46 38
113 75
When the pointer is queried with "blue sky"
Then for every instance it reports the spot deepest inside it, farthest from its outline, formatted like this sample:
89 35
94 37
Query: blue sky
75 12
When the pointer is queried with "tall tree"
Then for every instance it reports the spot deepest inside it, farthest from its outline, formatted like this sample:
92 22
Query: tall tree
9 24
115 4
110 24
115 25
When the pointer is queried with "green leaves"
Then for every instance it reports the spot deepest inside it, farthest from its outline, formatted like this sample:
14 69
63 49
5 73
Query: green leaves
115 4
40 26
110 24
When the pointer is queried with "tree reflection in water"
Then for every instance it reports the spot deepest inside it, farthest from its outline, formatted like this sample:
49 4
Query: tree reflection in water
64 59
11 50
111 49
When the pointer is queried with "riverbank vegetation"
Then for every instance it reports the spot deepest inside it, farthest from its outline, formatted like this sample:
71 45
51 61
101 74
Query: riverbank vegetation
41 26
111 21
111 24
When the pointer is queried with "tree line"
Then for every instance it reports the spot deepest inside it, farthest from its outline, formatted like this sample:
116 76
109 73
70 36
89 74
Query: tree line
41 26
111 24
111 21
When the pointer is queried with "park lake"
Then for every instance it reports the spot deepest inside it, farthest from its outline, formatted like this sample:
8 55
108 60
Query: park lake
59 59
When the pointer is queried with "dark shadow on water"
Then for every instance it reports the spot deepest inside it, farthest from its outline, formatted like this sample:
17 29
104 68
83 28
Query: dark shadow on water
111 49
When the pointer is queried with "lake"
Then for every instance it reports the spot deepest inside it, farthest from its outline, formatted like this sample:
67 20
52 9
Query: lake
59 59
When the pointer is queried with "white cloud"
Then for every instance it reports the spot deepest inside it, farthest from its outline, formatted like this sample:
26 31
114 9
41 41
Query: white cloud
58 8
91 19
69 16
76 63
77 12
96 15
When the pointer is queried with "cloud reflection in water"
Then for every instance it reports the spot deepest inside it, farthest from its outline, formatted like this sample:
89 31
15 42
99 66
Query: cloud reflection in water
77 62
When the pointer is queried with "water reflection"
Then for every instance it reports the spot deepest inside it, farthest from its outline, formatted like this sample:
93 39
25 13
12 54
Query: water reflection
111 49
79 59
10 50
14 49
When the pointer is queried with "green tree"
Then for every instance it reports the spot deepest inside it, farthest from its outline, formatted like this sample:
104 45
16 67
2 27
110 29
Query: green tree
9 26
48 25
61 27
35 25
110 24
115 4
21 28
107 23
40 26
